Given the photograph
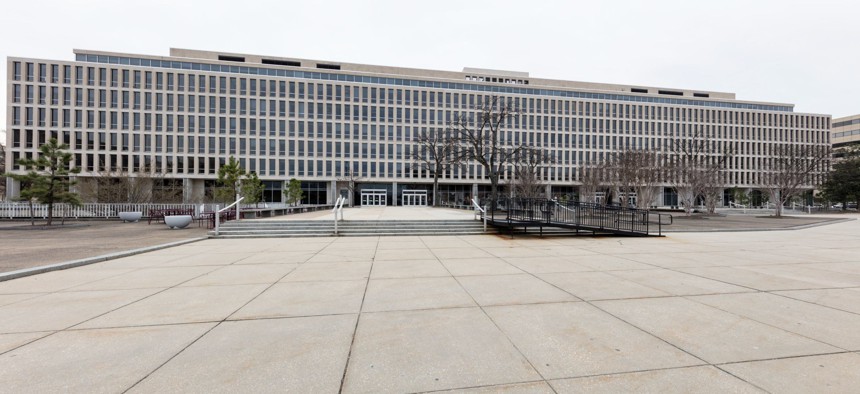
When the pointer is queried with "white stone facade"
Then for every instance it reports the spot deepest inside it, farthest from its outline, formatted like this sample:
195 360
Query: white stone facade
185 114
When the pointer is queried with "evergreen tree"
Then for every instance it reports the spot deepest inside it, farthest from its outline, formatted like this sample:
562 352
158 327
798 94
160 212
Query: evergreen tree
229 178
48 177
294 191
843 183
252 188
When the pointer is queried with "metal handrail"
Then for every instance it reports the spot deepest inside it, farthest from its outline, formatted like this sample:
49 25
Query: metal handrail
218 214
580 214
483 213
338 208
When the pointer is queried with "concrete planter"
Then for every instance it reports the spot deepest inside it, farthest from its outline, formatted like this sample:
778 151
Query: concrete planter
177 221
130 216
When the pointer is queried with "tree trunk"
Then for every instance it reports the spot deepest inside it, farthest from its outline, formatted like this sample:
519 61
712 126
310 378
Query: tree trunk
32 213
435 192
435 182
50 212
494 190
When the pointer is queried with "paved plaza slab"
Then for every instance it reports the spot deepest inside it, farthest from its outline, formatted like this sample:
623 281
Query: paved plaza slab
758 311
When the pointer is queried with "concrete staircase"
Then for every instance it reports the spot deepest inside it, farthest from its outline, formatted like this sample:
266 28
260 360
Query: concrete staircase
353 228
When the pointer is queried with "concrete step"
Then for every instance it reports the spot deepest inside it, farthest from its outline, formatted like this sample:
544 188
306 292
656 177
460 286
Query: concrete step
293 228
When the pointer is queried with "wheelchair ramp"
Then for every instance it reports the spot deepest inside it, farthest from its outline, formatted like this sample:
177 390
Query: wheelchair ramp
515 214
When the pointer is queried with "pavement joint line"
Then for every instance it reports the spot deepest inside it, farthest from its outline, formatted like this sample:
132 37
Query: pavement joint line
767 324
784 358
738 230
490 318
91 260
215 325
357 320
483 386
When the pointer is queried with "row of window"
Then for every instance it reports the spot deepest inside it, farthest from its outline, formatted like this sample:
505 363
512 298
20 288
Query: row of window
531 105
114 120
495 89
187 165
848 133
178 145
171 102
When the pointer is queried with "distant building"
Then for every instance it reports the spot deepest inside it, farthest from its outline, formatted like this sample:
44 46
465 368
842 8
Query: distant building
185 114
845 135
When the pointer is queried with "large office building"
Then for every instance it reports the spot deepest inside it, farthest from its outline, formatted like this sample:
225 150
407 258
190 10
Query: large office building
326 123
845 135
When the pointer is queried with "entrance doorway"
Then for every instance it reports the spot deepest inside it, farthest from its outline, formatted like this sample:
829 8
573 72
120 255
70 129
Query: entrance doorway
374 197
414 198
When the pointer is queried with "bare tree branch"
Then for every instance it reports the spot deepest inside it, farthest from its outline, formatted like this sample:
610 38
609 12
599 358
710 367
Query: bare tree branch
528 180
697 163
436 151
481 133
791 169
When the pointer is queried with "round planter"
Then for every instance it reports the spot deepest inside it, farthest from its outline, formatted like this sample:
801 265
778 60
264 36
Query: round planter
130 216
177 221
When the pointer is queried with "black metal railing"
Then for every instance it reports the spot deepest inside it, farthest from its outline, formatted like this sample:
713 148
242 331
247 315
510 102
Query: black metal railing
579 215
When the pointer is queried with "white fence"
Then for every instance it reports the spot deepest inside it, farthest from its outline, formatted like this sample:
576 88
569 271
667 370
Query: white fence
21 210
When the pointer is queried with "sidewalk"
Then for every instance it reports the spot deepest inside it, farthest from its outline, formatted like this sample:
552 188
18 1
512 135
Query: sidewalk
692 312
25 246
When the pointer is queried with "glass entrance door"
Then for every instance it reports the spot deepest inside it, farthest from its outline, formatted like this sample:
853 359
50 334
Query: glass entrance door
414 198
374 197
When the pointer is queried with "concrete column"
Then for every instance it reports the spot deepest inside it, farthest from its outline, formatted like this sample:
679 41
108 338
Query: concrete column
13 189
394 193
332 197
187 191
475 193
548 191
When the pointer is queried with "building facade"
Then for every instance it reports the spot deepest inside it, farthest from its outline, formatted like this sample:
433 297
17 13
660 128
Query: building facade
845 135
330 124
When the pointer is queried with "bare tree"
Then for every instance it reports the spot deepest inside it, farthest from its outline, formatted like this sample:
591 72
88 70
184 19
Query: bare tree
480 131
648 177
621 172
711 185
593 179
695 160
436 151
143 187
791 169
634 172
350 178
527 180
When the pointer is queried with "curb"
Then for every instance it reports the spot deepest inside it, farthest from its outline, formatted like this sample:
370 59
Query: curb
90 260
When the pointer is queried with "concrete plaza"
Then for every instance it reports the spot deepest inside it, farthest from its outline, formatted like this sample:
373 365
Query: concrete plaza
773 311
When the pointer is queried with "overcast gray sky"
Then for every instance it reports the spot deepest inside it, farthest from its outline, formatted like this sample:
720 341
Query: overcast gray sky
800 52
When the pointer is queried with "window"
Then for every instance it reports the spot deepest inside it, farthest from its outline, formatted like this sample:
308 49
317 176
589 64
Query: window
16 71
